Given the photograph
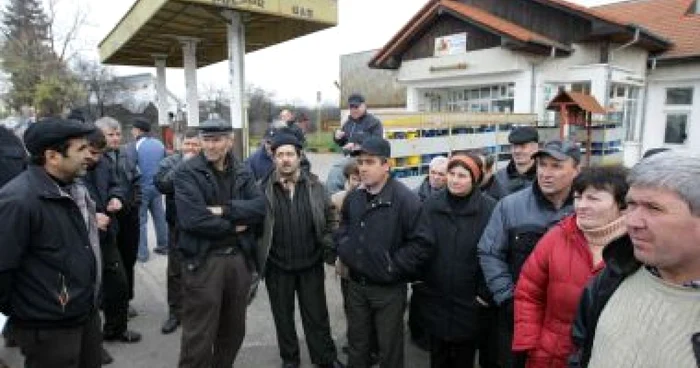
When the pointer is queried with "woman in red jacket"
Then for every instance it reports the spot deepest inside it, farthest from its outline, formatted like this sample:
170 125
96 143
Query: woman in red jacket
565 259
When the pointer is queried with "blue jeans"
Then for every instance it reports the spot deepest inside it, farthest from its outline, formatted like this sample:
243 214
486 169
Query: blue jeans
152 201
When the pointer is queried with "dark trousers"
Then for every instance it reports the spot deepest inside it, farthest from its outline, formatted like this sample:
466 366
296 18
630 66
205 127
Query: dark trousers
115 290
215 297
416 323
374 344
382 308
505 337
487 343
74 347
308 285
451 354
174 273
128 244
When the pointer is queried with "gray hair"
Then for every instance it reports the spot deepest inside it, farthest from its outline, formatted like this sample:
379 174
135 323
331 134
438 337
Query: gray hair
438 160
674 171
108 123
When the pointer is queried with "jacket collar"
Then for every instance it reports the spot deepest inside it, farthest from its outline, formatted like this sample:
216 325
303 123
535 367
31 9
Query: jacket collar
200 163
619 256
472 207
45 186
513 172
543 201
386 195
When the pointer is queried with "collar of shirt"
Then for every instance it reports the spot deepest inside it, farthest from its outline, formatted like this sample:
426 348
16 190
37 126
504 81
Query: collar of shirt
693 284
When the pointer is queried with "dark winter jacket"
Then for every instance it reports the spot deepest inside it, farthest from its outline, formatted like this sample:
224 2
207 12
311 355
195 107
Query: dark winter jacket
379 240
356 131
322 214
102 184
619 264
164 182
129 177
425 191
13 157
453 277
260 163
195 190
48 267
508 180
517 224
548 293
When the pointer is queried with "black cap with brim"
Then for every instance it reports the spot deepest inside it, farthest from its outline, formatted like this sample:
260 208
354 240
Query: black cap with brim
560 150
356 99
374 146
215 127
142 124
53 131
522 135
285 139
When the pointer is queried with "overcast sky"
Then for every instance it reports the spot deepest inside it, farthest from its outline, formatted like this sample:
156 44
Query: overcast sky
294 70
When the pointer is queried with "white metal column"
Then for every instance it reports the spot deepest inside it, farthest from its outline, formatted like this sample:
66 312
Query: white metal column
236 66
189 53
161 89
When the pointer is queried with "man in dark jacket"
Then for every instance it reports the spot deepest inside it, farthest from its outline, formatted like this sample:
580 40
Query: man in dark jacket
101 182
290 120
128 177
191 147
219 204
519 221
379 242
642 310
260 162
359 126
297 238
13 157
521 170
50 269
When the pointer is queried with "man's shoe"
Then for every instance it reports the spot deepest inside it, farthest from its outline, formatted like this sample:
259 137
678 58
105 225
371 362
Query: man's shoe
170 325
290 365
335 364
132 313
127 336
106 357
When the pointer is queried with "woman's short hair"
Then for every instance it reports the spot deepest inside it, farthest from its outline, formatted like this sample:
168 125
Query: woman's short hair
612 178
350 169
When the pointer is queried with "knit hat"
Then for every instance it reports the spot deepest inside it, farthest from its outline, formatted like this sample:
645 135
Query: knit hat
284 139
142 125
469 163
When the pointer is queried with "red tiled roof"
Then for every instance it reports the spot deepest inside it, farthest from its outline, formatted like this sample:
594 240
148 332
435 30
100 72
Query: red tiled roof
668 18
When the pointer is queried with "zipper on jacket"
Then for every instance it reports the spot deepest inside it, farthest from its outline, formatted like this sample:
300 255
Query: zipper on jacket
63 295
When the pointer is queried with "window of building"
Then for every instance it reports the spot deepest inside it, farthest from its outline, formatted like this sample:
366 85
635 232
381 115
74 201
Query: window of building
676 128
679 96
624 108
496 98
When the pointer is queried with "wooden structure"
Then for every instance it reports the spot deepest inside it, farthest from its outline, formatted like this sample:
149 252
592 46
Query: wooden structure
576 109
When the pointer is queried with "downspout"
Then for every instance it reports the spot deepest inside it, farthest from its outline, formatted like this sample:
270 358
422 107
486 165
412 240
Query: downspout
533 79
608 76
643 124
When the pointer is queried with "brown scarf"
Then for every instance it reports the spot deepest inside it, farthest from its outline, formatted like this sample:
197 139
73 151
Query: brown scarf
605 234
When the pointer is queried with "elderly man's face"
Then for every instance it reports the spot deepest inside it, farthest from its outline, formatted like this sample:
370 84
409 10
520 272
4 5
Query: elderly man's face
663 230
437 176
357 110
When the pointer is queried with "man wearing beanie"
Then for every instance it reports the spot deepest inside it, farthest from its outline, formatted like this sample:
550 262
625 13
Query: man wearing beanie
50 261
297 239
517 224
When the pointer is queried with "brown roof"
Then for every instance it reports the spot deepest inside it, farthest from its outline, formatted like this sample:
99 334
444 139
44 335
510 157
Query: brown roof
482 18
585 102
669 18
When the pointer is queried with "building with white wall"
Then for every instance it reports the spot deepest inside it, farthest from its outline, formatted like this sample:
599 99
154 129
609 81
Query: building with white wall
640 59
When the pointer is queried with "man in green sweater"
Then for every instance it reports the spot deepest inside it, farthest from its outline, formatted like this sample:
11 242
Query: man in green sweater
643 310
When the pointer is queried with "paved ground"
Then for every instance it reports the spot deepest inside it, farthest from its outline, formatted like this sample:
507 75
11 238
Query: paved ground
260 346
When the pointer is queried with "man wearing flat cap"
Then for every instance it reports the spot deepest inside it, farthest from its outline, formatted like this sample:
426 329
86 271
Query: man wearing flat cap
50 261
521 169
379 241
296 241
359 126
517 224
218 204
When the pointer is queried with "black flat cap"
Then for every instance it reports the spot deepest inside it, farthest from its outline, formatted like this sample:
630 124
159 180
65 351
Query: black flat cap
284 139
356 99
374 146
214 127
522 135
560 150
52 131
142 124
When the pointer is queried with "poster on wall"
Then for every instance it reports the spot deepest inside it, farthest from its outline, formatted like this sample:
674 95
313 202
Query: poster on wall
451 45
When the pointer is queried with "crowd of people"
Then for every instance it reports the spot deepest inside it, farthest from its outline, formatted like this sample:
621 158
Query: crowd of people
543 263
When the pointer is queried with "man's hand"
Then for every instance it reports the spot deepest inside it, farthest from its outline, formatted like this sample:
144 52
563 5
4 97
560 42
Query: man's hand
103 221
216 210
349 146
114 205
241 228
339 134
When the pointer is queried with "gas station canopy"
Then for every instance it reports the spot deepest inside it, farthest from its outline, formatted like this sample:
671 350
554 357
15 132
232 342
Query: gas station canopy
156 27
